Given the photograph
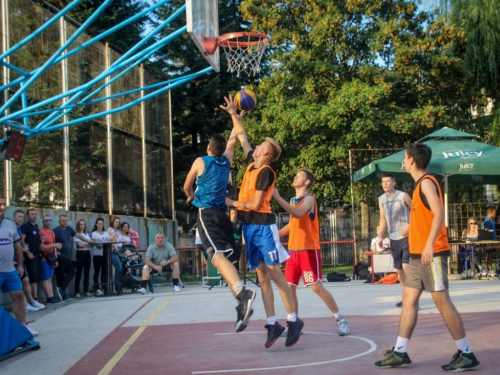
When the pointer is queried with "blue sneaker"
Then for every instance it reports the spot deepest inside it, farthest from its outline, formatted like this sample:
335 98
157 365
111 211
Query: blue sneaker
54 300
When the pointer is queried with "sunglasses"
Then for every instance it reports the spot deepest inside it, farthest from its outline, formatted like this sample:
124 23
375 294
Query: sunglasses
48 221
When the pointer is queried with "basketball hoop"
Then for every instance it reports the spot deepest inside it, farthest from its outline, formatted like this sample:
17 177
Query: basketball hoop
243 50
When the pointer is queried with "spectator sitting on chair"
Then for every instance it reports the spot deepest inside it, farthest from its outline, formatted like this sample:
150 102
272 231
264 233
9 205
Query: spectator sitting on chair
160 256
375 245
472 234
489 223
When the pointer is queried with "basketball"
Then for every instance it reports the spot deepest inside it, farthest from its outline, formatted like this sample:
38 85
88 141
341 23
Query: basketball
245 100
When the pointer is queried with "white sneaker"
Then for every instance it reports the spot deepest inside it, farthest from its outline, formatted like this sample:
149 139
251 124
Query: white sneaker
38 305
176 288
32 331
141 290
99 292
30 308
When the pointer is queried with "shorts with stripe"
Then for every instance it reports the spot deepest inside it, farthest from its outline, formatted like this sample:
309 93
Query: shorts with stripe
216 231
305 263
263 244
431 278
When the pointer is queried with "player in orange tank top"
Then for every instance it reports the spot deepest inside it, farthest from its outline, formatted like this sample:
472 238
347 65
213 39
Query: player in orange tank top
428 269
304 246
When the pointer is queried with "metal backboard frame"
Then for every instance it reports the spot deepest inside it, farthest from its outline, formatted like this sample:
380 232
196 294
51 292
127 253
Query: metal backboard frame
202 18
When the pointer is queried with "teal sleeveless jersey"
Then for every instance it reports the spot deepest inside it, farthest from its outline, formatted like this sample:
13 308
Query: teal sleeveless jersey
211 185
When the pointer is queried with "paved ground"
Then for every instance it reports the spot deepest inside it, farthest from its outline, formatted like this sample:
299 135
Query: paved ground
192 333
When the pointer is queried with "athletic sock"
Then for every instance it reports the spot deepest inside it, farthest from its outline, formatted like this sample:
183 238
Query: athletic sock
238 287
144 283
338 315
271 320
175 281
291 317
463 345
401 345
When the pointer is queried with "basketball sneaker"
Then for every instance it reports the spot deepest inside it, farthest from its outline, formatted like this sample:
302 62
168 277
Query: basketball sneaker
244 309
342 325
393 359
294 329
461 362
273 332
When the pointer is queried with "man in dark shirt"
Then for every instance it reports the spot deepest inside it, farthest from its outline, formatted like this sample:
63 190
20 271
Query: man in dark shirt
30 235
65 271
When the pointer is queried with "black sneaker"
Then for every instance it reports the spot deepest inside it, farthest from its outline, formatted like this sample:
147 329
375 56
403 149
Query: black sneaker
461 362
393 359
294 329
66 296
273 332
244 309
54 300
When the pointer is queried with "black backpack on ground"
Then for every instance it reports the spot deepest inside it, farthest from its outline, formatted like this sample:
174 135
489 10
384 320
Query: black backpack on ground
360 271
335 276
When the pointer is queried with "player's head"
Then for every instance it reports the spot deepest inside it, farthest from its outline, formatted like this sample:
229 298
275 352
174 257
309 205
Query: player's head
306 176
491 211
233 214
217 145
420 153
273 148
388 182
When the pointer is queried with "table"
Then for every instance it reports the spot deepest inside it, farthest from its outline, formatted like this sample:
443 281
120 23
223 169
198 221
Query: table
107 269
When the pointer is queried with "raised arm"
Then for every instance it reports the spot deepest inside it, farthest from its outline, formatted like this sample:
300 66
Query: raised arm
297 212
231 144
241 133
196 169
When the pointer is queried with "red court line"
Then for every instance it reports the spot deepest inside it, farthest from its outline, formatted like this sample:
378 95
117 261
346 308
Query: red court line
187 348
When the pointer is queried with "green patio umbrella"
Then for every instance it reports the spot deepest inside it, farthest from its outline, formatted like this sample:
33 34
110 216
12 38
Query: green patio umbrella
456 156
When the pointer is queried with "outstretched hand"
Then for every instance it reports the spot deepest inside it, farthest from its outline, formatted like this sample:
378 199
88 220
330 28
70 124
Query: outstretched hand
231 108
276 194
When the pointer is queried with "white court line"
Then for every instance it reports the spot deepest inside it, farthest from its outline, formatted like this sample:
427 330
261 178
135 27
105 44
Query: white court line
373 347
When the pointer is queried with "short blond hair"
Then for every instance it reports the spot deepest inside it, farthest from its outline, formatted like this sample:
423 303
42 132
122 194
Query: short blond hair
275 148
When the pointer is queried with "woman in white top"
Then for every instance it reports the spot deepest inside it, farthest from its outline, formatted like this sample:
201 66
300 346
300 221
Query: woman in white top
99 235
83 257
125 234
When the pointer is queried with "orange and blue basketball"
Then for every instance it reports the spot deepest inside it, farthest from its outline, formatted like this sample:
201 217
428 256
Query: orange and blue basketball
245 100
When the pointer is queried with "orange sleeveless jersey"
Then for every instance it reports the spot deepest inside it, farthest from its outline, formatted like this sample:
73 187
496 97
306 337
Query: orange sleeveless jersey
304 232
247 190
420 223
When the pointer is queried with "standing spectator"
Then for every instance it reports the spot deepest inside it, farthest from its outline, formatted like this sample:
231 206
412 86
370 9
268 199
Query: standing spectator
47 246
65 271
304 248
125 238
83 258
134 236
114 235
31 304
30 235
99 235
9 274
489 223
395 216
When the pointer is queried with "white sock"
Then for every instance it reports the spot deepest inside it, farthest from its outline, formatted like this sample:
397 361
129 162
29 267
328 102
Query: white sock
338 315
291 317
238 286
463 345
271 320
401 345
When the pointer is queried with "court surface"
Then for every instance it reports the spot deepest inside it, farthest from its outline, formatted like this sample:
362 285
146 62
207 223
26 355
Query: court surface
192 333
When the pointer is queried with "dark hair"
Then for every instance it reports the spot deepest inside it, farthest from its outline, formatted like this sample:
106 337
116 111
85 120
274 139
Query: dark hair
390 175
123 224
421 154
490 209
29 210
217 145
18 212
95 225
309 176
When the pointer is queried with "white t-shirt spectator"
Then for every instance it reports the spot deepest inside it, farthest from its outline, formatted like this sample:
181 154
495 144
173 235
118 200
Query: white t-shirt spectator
375 247
104 237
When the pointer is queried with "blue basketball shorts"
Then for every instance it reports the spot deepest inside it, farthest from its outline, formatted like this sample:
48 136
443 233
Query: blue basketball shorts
10 282
47 270
263 244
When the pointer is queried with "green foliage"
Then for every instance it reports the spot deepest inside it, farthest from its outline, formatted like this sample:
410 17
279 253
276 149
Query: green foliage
353 74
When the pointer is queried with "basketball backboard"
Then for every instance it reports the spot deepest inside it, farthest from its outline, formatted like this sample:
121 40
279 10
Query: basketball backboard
202 18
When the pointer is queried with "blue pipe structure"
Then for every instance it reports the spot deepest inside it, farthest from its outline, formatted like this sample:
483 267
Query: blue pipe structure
18 111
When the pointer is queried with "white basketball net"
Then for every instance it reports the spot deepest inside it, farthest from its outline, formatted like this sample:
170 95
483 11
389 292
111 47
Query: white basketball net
244 53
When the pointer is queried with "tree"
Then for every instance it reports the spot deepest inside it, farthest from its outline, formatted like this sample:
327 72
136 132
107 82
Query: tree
353 74
480 21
